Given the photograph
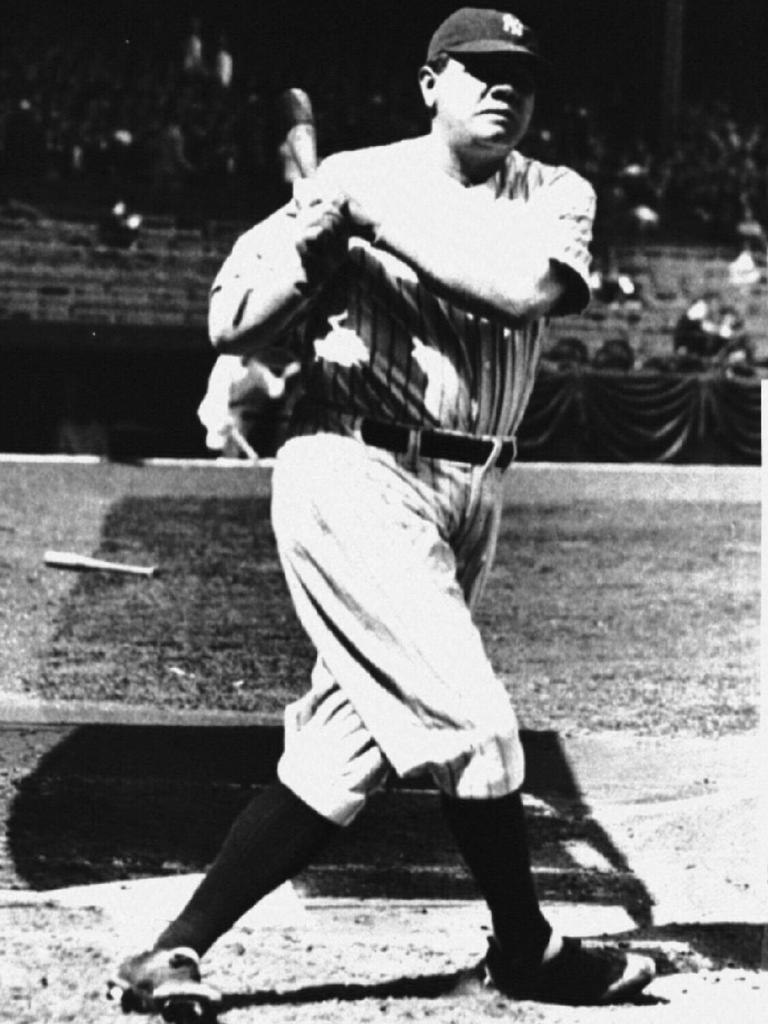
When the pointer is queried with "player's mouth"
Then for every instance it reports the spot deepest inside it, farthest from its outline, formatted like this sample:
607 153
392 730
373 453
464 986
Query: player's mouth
505 115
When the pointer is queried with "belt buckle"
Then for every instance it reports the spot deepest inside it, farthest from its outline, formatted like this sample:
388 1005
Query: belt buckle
496 450
413 448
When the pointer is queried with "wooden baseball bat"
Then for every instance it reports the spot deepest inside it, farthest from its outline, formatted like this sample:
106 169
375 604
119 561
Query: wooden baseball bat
242 444
298 147
84 563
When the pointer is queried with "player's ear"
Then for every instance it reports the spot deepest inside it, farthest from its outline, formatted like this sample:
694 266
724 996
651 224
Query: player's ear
427 80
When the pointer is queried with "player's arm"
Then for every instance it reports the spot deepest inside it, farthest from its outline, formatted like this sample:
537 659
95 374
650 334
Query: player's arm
504 259
268 281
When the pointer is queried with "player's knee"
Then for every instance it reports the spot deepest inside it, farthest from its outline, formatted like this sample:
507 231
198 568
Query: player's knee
339 795
493 768
330 760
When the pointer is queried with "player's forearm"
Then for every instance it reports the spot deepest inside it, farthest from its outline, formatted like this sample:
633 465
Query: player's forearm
244 318
492 263
261 290
274 271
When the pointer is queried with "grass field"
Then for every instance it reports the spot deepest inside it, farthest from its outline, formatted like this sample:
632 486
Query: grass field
630 609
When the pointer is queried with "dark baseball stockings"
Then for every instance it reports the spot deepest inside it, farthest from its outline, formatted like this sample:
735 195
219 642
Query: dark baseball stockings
491 835
274 838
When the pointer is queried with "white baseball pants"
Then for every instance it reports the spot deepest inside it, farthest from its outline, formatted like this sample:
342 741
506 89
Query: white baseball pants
385 556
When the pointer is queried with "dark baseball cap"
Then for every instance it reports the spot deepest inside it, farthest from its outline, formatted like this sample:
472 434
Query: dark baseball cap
482 30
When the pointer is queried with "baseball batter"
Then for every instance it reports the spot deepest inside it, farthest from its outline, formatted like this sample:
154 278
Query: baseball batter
416 280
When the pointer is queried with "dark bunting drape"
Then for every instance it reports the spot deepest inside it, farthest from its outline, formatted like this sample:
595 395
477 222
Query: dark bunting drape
591 416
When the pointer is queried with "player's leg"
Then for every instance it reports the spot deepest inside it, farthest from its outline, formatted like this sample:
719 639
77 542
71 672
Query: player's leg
373 579
336 764
330 765
492 838
525 959
491 833
273 838
386 599
284 825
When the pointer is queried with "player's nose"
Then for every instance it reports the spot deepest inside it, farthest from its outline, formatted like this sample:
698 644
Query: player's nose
504 95
513 85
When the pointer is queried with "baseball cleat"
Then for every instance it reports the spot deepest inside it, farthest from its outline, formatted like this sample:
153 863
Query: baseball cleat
579 975
165 981
187 1003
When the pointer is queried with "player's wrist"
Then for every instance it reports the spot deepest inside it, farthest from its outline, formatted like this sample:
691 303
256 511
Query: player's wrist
317 266
321 244
361 223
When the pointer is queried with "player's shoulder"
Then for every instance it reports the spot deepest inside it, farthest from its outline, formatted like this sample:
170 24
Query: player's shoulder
373 159
252 241
527 177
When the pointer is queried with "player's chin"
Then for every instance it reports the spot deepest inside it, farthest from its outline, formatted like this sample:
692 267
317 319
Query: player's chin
498 130
497 143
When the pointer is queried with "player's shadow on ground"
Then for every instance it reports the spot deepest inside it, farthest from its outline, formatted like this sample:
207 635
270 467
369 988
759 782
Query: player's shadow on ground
716 946
118 802
457 984
215 629
111 802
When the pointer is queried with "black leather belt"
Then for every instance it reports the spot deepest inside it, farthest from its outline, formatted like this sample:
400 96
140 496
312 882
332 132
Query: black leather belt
437 444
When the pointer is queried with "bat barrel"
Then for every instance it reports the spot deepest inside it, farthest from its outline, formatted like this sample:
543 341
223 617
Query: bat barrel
295 107
298 149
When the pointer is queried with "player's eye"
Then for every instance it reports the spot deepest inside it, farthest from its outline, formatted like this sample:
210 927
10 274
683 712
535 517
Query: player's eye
494 71
522 82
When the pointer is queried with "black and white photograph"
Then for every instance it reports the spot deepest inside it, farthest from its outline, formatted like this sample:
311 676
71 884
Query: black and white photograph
381 500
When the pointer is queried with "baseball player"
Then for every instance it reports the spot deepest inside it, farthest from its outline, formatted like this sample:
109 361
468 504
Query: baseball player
417 278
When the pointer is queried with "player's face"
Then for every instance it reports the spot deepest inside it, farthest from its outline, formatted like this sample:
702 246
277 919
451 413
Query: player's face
482 100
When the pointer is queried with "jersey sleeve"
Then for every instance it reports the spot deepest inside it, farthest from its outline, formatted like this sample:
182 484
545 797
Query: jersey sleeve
261 282
264 250
565 208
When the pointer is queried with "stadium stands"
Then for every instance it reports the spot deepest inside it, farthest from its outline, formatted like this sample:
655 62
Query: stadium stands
83 130
59 271
668 279
55 271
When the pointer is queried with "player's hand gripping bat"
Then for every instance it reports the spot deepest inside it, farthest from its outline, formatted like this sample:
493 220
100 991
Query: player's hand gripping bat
322 224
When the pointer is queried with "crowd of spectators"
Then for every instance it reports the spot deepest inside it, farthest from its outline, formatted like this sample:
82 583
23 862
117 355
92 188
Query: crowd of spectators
172 135
709 182
197 128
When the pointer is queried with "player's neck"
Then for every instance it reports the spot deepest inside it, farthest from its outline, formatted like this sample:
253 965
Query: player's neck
469 166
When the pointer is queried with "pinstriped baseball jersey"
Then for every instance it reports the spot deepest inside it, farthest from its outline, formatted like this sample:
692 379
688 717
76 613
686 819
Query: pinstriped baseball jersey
381 344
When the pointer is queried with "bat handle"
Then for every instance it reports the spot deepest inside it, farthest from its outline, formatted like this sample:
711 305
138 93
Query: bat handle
303 148
298 149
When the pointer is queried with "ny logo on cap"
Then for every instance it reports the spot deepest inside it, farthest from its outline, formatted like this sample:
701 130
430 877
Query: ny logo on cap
513 25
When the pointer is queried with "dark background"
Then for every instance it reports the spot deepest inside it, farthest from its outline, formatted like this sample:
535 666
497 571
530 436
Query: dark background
88 69
598 47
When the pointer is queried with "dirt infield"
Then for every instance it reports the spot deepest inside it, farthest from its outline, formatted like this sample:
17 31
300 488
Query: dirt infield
351 965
